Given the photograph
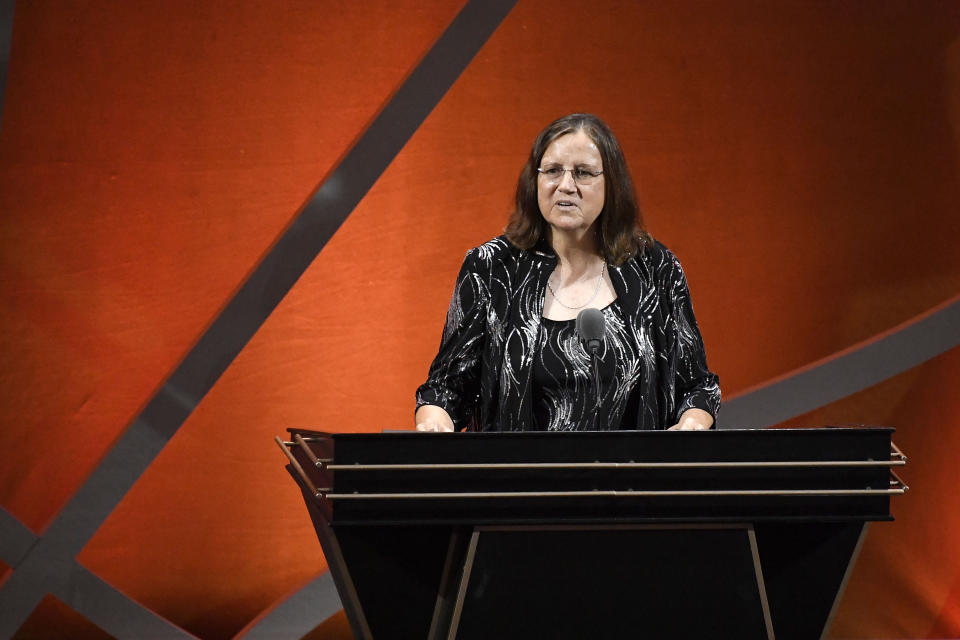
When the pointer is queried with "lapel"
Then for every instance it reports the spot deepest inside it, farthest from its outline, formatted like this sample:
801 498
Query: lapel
526 312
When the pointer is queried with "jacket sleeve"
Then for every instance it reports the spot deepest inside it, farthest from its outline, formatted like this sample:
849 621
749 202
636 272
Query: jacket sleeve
453 382
696 387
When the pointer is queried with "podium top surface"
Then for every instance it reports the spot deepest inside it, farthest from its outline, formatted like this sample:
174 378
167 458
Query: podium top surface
818 444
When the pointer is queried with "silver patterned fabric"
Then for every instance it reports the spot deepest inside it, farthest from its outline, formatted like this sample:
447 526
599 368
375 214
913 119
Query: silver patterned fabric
563 388
482 373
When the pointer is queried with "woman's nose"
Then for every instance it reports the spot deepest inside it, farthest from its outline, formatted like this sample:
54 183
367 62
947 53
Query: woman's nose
567 183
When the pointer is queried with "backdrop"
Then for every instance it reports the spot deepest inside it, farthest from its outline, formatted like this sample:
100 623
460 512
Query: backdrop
169 170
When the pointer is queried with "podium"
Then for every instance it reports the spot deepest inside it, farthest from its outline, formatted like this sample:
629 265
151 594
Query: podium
746 533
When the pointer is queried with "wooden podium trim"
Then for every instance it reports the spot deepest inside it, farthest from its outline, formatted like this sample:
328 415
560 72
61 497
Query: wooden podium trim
761 586
612 465
295 465
444 608
612 493
464 582
343 580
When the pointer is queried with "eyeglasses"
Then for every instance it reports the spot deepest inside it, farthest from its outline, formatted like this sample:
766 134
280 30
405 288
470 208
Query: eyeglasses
580 175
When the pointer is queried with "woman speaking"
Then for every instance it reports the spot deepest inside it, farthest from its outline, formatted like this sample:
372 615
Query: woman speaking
512 356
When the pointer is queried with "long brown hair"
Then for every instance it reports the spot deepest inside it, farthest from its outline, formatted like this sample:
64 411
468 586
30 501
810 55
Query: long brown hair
620 232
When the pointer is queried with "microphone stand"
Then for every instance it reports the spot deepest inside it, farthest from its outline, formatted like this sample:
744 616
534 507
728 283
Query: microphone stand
590 327
593 346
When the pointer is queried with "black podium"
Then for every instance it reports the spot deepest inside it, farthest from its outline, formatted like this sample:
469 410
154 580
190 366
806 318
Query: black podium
629 534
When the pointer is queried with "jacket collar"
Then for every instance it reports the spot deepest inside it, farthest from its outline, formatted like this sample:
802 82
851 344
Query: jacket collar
544 251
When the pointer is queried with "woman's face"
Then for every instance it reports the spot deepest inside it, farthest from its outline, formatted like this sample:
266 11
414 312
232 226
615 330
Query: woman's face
565 203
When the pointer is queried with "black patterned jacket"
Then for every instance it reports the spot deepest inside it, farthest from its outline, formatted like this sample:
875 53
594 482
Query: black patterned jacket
482 372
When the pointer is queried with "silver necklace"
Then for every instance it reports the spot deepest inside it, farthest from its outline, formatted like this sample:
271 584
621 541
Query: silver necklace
603 266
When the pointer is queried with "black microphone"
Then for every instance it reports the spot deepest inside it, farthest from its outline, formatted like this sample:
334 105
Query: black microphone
591 326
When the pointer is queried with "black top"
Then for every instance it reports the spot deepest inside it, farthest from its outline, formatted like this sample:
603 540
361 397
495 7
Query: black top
563 380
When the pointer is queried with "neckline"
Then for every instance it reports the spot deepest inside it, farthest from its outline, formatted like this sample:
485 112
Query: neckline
569 320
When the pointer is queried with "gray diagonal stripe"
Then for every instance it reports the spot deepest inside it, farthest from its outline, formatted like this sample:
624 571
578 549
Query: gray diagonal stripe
15 539
112 610
47 571
837 378
6 31
299 614
46 566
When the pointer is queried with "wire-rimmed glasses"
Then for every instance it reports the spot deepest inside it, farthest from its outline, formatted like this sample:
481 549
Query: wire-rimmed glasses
581 175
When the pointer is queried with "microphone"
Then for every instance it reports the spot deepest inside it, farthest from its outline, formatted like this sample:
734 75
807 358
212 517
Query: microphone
590 326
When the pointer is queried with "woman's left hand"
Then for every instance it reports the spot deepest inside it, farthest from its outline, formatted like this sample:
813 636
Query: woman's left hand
693 420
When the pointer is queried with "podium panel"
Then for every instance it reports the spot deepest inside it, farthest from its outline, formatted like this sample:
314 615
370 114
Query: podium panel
656 583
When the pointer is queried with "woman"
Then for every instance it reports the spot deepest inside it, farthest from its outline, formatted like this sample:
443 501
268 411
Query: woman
510 358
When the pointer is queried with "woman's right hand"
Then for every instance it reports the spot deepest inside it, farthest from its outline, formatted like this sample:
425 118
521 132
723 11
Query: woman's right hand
432 418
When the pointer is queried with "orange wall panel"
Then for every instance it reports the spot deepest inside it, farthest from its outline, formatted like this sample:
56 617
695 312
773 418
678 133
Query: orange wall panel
149 155
224 532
